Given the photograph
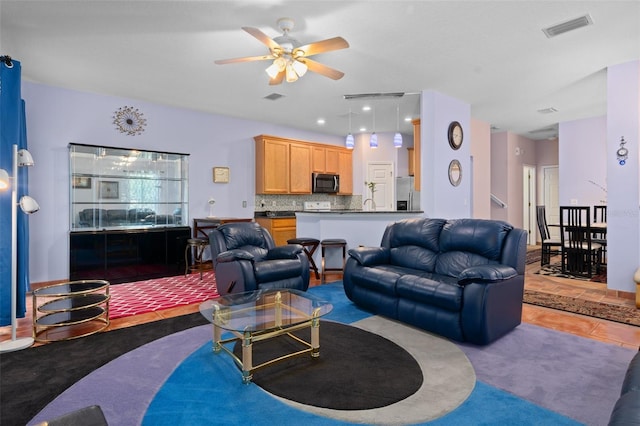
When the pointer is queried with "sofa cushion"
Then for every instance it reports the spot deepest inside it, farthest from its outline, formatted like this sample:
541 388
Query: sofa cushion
414 257
632 377
431 289
380 278
481 237
414 232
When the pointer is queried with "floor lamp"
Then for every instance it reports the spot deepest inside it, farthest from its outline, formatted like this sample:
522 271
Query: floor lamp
28 205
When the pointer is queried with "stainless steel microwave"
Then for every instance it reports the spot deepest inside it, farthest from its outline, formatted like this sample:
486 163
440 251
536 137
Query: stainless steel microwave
325 183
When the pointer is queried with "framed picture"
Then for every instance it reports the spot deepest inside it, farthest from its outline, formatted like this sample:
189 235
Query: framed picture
81 182
108 189
221 174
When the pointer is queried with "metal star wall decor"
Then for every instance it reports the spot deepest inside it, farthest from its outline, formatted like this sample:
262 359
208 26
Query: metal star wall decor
129 120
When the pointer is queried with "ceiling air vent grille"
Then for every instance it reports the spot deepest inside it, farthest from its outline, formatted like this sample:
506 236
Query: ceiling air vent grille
274 96
567 26
549 110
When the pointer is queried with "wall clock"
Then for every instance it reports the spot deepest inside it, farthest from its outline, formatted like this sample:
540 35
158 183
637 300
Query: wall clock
455 173
221 174
129 120
455 135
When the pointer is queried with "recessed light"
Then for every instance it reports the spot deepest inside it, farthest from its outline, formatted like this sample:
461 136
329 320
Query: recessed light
320 121
407 119
366 108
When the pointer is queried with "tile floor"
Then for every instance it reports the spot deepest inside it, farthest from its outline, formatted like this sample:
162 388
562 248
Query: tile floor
593 328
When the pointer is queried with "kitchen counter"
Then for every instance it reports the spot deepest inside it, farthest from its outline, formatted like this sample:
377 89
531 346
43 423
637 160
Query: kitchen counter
359 228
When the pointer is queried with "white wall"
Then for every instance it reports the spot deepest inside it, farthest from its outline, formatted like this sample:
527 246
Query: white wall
438 197
56 117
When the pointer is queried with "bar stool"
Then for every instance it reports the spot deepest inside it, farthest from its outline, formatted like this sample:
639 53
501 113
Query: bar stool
333 243
309 245
198 245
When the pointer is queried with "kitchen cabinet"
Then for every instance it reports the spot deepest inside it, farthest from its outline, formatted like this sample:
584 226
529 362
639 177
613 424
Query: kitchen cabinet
272 165
300 168
411 160
281 229
345 170
284 166
416 154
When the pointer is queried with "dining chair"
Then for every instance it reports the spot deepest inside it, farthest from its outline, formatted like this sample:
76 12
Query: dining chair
579 253
550 246
600 236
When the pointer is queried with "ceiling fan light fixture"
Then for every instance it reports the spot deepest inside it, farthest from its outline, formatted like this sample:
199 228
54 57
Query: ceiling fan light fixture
291 75
299 67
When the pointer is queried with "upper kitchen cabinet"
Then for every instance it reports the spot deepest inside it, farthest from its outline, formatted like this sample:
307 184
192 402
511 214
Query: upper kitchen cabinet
416 155
284 166
272 165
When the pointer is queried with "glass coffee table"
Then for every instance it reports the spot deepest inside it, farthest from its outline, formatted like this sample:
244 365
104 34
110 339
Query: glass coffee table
261 315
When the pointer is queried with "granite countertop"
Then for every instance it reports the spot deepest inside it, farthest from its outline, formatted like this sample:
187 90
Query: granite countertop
291 213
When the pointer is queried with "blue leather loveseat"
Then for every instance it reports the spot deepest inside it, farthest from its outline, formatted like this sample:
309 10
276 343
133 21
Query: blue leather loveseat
462 279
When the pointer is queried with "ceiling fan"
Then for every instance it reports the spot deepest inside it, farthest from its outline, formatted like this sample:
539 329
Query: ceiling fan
290 58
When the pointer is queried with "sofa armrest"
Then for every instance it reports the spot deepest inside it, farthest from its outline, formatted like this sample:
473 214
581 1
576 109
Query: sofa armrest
289 251
233 255
486 274
370 256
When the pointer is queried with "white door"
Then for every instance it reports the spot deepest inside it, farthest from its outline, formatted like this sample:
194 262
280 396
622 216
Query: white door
381 175
529 203
552 200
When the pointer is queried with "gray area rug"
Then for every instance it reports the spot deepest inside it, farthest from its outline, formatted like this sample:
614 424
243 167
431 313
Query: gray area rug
569 374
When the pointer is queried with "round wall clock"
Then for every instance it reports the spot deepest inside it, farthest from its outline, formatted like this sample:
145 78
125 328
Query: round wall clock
129 120
455 135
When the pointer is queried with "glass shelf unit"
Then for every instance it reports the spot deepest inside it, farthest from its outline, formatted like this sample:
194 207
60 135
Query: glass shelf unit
121 188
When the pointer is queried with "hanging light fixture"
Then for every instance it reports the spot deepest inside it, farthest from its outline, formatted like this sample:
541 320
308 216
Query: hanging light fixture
373 141
349 142
397 138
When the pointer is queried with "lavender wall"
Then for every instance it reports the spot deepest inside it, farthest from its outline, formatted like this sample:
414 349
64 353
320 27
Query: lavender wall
56 117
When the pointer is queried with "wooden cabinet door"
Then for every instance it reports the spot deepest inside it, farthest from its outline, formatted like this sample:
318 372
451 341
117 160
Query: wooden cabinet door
319 159
416 154
300 169
411 160
272 166
281 229
345 162
332 161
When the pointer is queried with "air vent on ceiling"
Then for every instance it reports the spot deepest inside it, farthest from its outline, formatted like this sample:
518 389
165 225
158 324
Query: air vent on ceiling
547 110
374 95
545 130
567 26
274 96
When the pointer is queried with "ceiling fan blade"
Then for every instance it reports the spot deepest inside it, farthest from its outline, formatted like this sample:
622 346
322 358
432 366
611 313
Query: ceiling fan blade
244 59
322 69
264 39
278 79
327 45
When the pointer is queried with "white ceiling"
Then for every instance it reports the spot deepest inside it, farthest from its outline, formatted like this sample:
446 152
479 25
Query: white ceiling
492 55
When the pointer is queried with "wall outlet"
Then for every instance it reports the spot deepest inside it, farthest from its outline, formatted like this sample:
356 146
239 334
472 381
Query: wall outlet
273 203
574 201
294 203
244 204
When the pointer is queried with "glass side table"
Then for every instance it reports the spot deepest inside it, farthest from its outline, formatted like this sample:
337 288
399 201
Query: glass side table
70 310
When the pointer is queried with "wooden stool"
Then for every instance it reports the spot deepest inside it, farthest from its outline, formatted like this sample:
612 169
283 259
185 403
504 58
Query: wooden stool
333 243
312 245
198 244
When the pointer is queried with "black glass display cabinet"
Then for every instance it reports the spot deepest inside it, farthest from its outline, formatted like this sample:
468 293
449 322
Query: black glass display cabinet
128 213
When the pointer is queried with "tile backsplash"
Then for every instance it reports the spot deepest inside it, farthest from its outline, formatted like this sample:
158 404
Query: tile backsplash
265 202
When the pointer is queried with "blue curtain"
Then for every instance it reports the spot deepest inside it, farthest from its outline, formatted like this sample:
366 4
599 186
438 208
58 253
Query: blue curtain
13 130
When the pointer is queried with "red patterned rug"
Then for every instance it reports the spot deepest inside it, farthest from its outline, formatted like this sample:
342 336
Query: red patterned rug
161 293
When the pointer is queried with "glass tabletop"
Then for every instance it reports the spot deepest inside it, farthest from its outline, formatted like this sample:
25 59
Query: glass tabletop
264 310
72 287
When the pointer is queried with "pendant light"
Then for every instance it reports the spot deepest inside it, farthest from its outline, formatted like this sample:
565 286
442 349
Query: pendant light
397 138
373 141
349 142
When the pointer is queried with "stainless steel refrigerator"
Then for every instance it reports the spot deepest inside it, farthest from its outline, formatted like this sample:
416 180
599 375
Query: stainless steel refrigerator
407 198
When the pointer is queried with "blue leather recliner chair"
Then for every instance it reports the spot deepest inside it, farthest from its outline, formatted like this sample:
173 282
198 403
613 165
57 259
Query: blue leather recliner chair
462 279
245 258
